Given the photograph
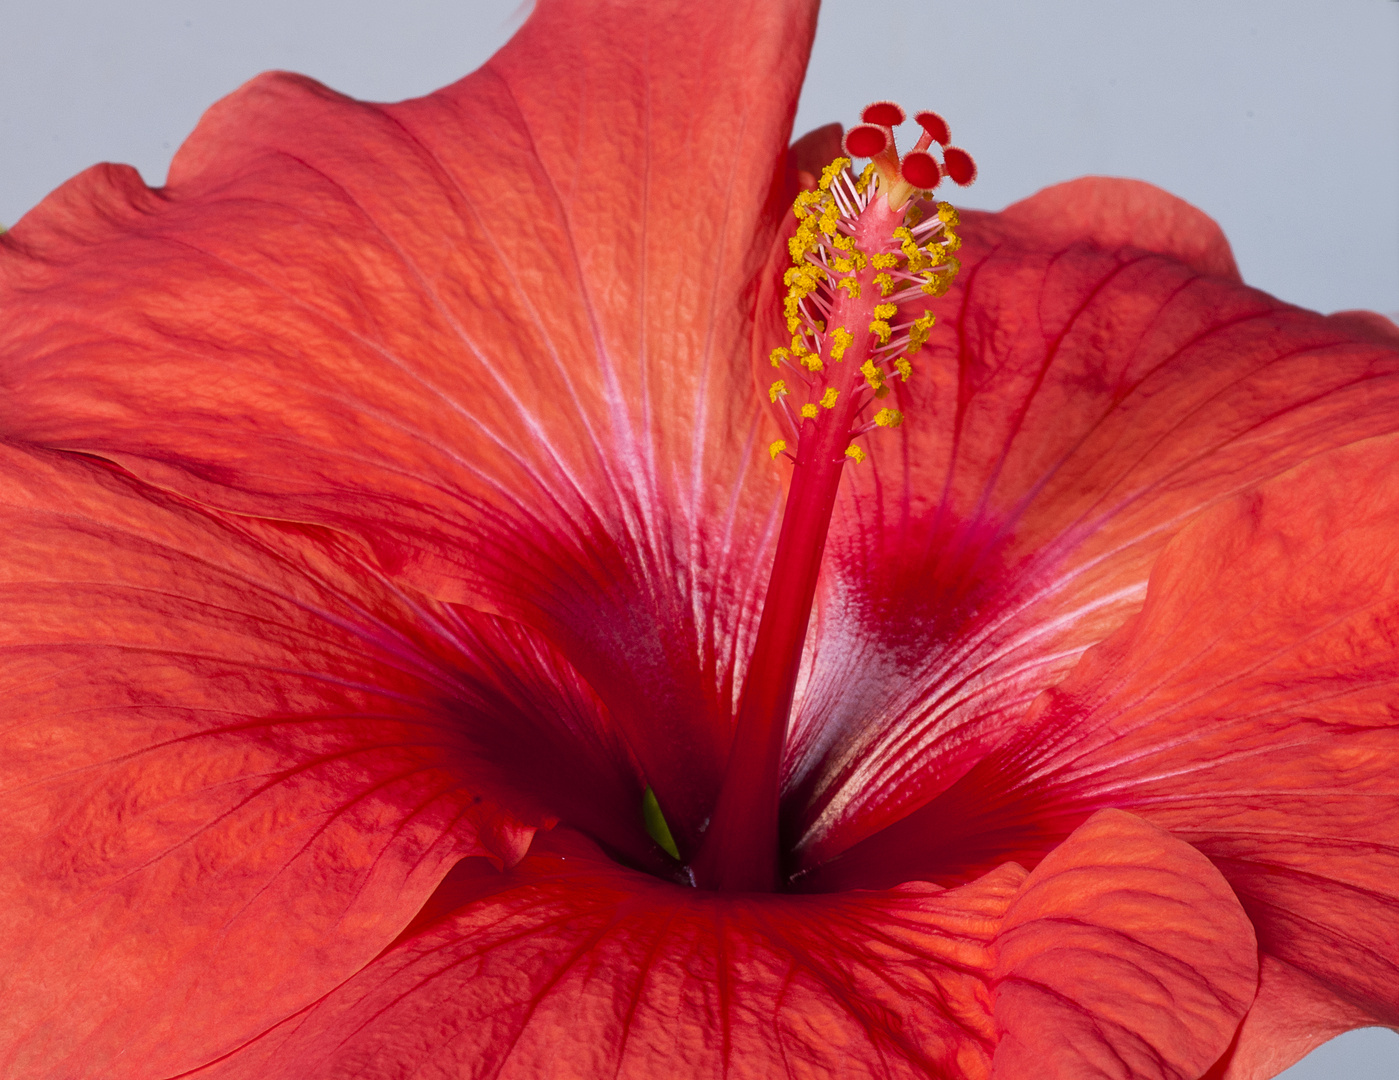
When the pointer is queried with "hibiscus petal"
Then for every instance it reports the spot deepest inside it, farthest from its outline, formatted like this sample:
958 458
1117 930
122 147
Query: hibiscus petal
501 333
234 766
568 966
1077 405
1249 709
1111 213
1124 956
1292 1015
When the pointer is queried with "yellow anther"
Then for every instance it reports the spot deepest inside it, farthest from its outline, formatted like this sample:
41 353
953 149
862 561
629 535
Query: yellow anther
844 266
885 260
865 177
812 362
841 339
809 411
828 399
777 389
850 285
947 214
903 367
803 241
885 282
845 243
777 448
918 332
778 355
885 311
913 215
888 418
880 329
831 171
830 218
856 453
939 283
873 375
799 348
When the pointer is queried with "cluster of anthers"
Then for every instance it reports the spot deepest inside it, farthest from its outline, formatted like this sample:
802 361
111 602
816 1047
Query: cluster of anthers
865 247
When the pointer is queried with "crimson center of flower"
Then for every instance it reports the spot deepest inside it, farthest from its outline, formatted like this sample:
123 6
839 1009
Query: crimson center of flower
864 249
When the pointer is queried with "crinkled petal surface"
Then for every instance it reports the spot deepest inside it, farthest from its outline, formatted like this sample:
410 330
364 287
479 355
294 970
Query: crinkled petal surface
573 968
499 333
1249 709
1292 1015
568 966
1078 403
1125 956
236 764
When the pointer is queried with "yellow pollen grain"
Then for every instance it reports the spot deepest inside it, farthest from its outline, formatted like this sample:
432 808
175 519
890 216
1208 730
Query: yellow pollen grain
844 266
778 355
889 418
809 411
885 282
873 375
841 340
777 448
856 453
777 389
885 260
828 399
885 311
947 214
812 362
850 285
880 329
903 367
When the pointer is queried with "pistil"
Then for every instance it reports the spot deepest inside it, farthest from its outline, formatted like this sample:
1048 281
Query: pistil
864 249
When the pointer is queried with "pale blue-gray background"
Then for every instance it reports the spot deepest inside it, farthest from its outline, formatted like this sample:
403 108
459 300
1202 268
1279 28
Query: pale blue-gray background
1279 118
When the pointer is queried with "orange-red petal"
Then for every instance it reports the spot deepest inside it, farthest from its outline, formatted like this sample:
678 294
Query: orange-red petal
500 333
1078 403
1124 956
1249 709
1292 1015
570 967
236 762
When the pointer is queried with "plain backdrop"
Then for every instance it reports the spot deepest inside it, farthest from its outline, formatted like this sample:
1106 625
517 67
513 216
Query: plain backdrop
1279 118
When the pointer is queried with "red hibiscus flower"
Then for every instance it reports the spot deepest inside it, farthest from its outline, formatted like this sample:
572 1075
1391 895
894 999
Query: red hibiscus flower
389 518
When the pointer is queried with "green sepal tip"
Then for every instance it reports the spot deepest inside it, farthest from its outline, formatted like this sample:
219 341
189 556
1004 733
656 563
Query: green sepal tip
656 827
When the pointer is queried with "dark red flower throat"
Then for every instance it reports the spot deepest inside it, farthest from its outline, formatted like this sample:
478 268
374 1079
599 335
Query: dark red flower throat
866 248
